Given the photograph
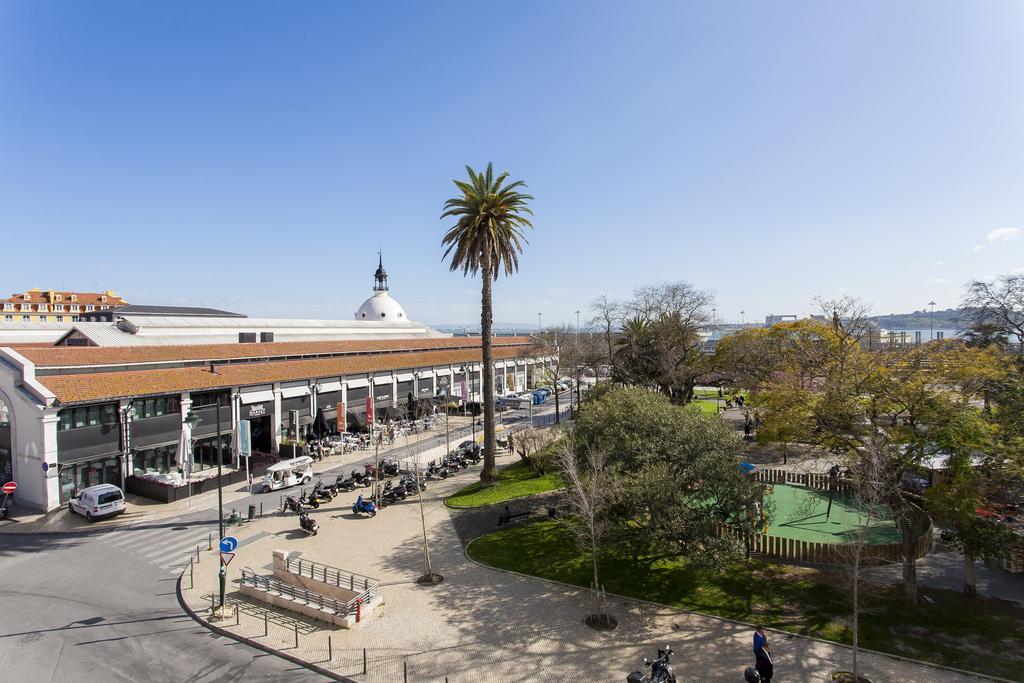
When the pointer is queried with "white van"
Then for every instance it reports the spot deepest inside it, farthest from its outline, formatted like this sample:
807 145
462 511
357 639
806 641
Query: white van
102 500
288 473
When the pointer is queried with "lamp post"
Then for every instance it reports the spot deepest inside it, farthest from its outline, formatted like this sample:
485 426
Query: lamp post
743 320
931 321
220 504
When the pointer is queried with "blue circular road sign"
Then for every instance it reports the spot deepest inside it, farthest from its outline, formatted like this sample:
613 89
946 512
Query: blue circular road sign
228 544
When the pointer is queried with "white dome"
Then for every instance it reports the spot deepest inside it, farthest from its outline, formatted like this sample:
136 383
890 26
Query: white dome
381 306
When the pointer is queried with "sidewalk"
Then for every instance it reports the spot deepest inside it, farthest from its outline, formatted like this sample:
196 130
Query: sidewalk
144 510
487 625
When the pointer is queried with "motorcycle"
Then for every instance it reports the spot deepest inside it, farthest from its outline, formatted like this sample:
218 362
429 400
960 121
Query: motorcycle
309 501
436 470
293 504
323 493
364 506
388 467
661 670
307 524
343 484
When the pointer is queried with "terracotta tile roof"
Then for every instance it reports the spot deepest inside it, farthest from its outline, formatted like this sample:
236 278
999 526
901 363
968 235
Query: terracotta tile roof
81 356
98 386
43 296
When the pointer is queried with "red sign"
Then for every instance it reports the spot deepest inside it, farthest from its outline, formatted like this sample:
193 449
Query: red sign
369 409
342 418
9 488
225 558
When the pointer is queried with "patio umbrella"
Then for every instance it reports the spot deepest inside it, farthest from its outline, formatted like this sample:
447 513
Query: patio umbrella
320 428
183 459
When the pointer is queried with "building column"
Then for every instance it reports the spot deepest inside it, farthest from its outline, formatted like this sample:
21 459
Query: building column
51 478
276 420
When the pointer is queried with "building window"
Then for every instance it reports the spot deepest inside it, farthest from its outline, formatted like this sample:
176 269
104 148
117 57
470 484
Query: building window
103 308
59 297
60 318
25 318
74 318
89 307
74 297
87 416
9 318
246 337
42 318
42 308
209 398
8 307
155 407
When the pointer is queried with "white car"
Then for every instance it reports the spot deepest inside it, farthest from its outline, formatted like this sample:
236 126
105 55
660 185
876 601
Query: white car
95 502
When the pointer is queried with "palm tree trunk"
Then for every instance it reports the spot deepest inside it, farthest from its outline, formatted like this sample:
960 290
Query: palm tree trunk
489 474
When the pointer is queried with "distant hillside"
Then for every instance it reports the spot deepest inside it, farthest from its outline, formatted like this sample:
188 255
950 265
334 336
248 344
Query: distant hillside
948 319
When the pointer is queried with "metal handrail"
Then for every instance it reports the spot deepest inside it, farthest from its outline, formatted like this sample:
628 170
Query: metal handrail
331 575
309 597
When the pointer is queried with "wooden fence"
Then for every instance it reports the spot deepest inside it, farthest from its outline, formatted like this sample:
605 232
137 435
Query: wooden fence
811 480
825 553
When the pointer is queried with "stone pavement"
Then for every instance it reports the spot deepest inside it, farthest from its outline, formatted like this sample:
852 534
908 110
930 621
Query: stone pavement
487 625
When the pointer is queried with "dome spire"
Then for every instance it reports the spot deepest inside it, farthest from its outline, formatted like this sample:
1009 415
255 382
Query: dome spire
380 278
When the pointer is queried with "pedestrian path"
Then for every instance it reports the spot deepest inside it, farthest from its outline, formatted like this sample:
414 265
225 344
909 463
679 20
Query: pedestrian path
166 546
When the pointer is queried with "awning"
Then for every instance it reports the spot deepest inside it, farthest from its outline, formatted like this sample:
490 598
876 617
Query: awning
256 396
293 391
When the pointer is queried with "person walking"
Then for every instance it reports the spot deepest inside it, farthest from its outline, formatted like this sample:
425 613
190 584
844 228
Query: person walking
762 655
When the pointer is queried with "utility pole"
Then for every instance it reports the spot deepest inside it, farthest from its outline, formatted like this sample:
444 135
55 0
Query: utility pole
220 506
538 323
931 322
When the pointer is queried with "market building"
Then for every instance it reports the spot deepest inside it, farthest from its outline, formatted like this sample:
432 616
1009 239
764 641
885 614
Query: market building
38 305
75 416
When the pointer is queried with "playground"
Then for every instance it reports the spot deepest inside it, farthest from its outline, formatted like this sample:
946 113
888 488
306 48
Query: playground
800 514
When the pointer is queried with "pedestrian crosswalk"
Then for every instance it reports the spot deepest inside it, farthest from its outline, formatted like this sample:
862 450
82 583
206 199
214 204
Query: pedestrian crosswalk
165 546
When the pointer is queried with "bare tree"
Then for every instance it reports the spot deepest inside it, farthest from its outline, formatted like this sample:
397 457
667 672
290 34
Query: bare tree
588 492
870 494
608 317
999 302
529 443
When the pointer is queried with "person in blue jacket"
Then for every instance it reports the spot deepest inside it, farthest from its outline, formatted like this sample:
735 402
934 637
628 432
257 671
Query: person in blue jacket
762 655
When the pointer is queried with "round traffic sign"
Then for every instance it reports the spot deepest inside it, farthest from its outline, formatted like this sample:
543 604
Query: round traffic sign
228 544
9 488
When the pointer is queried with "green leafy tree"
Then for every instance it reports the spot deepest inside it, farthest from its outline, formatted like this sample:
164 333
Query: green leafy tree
487 238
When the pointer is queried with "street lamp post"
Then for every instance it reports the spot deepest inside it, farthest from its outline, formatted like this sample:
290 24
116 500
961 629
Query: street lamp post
931 321
220 504
743 319
538 323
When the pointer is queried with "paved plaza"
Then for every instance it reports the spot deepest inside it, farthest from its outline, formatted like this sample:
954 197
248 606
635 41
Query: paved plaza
483 624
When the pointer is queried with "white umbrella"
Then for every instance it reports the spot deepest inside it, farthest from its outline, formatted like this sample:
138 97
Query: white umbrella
184 454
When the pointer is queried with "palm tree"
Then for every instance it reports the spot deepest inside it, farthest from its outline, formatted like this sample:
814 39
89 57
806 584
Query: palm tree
487 238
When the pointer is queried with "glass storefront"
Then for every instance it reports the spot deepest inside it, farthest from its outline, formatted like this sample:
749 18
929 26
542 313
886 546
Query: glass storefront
78 476
156 460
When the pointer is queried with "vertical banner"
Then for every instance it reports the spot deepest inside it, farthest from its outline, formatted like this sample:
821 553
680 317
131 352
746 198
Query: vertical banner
465 393
342 418
244 439
369 408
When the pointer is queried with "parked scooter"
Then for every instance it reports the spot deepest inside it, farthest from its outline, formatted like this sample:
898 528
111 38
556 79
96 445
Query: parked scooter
364 507
309 501
349 484
388 467
323 493
307 524
661 670
292 503
434 469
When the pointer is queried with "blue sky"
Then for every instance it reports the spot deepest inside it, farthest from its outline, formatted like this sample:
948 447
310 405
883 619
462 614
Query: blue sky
254 155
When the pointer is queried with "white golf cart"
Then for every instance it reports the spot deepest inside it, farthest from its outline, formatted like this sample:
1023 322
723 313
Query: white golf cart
288 473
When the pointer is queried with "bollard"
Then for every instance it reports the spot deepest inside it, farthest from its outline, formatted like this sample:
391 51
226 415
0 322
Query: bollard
197 553
296 625
261 508
191 582
209 541
213 603
405 671
236 614
364 661
264 624
330 650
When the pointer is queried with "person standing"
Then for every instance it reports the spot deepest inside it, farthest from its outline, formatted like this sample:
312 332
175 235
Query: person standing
762 655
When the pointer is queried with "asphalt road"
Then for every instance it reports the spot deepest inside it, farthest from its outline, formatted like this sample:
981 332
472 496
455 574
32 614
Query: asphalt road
99 603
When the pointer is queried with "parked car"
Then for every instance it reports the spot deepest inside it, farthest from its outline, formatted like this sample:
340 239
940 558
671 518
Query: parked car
96 502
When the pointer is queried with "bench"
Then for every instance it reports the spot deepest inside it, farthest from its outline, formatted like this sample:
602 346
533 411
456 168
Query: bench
507 516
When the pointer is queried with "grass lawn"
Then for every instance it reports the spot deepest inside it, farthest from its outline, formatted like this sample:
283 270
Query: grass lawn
514 481
708 406
980 635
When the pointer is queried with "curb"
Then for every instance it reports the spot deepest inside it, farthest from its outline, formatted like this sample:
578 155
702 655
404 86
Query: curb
964 672
327 673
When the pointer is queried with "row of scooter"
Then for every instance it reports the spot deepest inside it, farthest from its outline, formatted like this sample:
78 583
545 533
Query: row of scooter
467 453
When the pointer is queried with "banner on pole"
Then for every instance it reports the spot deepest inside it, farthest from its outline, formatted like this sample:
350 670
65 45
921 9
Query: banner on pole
369 409
244 439
342 418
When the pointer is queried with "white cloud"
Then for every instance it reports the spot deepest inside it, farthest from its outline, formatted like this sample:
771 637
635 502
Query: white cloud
1001 234
938 280
997 235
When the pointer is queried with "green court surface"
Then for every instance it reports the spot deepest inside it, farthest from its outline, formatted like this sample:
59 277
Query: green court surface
799 513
